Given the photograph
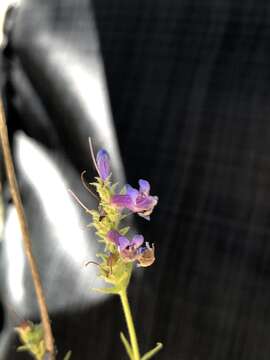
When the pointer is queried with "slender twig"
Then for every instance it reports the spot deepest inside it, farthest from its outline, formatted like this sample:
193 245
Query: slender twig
14 190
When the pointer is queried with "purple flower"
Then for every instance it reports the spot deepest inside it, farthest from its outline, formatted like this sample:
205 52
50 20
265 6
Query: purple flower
135 243
113 236
138 201
103 164
129 250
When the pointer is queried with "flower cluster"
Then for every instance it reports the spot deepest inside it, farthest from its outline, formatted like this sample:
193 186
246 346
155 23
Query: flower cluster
114 206
133 250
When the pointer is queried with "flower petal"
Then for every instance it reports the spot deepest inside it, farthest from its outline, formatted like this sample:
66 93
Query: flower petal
133 193
103 164
144 186
123 243
121 201
145 202
137 241
114 235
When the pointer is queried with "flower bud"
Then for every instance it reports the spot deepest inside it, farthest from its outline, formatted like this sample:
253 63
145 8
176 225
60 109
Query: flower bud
103 164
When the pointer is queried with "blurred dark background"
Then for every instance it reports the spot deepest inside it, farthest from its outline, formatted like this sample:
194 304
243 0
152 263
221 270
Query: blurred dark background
188 84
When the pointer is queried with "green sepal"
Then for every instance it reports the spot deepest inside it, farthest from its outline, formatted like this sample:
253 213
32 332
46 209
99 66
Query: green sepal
101 234
94 213
102 256
123 191
124 230
126 345
152 352
94 183
22 348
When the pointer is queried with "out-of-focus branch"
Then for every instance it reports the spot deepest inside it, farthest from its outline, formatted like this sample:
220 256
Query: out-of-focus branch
14 190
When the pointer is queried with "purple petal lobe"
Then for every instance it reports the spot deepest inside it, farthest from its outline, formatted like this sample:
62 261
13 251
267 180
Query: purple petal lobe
133 193
145 203
121 201
103 164
113 235
144 186
137 241
123 243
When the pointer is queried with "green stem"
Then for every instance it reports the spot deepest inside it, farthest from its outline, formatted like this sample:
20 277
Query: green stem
130 325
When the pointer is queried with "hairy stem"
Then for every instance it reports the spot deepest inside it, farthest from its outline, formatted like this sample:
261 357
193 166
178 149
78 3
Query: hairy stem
130 325
14 190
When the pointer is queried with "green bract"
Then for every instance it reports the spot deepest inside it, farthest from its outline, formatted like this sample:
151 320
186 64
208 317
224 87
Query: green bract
113 270
32 338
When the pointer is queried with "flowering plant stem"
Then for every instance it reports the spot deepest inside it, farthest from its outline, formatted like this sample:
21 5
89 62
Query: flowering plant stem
14 190
120 252
130 325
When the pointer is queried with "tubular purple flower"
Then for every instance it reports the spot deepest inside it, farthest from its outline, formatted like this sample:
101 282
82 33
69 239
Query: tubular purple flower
129 250
113 236
137 241
138 201
123 243
103 164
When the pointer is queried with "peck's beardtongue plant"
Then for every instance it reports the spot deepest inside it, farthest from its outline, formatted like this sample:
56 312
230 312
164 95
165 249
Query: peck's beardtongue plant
120 252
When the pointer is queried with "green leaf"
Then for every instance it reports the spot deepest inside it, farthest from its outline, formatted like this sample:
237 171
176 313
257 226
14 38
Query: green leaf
152 352
102 256
126 345
112 290
94 184
68 355
22 348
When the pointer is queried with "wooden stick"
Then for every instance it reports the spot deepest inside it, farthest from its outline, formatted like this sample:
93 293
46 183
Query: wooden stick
14 190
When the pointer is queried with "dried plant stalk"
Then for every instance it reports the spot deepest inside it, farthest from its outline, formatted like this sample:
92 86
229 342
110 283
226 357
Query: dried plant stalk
14 190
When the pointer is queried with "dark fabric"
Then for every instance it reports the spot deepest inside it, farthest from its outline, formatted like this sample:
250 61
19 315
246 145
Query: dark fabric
189 84
189 89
